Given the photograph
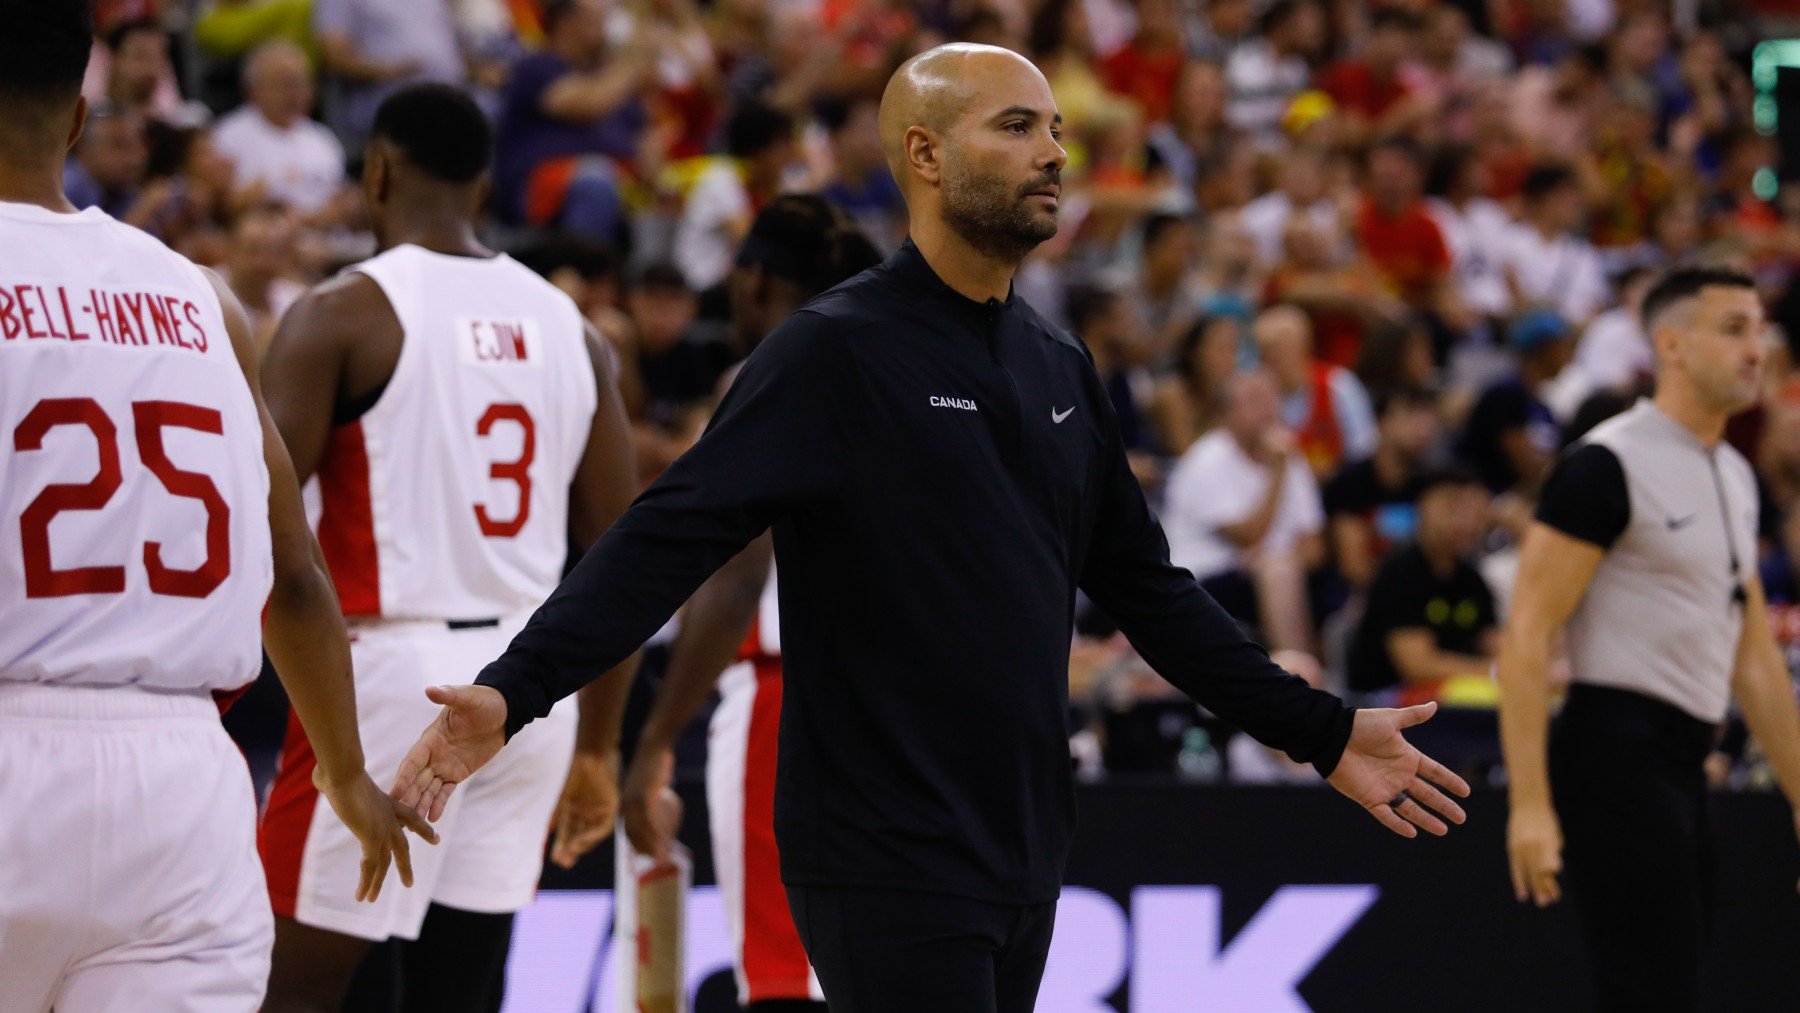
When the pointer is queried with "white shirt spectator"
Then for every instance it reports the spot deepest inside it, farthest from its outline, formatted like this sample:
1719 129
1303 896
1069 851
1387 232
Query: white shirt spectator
301 165
1216 484
1562 273
1262 84
706 238
1266 219
1614 351
1477 237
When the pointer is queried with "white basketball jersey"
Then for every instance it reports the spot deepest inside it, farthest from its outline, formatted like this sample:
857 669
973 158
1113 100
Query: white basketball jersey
449 499
134 503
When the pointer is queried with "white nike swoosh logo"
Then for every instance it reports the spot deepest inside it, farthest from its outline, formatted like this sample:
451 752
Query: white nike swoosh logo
1056 416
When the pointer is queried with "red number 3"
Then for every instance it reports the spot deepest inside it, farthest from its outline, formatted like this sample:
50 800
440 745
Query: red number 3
517 471
150 418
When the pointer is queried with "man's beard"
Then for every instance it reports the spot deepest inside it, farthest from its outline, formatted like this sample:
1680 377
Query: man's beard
993 215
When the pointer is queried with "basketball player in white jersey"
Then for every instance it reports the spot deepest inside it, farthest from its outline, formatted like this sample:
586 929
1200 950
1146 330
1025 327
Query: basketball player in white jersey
147 513
798 247
463 422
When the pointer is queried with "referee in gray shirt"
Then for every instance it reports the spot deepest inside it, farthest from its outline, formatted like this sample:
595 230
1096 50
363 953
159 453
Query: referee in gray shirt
1644 552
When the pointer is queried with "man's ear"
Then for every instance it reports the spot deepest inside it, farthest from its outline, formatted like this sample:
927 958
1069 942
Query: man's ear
79 123
923 154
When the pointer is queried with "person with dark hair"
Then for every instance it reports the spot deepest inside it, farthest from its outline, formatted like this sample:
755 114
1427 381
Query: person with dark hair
924 797
1546 261
1399 237
1510 436
138 75
108 164
1369 88
128 873
1371 505
718 209
1112 327
1190 401
1144 70
1643 557
860 184
1474 227
797 247
1268 70
1164 299
1430 615
570 119
465 427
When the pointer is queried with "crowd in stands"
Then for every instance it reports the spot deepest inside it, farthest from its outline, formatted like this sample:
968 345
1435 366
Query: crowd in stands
1354 271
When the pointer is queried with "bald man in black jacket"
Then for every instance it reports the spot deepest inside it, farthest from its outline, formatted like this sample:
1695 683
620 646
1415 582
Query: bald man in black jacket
942 471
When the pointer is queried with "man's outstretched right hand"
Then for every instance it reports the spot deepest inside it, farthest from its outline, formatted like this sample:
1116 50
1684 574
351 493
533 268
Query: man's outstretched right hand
467 733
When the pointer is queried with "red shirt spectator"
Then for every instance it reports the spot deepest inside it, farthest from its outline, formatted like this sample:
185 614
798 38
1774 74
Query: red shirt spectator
1407 247
1149 66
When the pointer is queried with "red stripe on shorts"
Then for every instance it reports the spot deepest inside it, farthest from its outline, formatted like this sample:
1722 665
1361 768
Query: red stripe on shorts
281 839
347 524
774 961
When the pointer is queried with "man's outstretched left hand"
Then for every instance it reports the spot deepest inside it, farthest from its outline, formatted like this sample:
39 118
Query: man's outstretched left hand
1379 767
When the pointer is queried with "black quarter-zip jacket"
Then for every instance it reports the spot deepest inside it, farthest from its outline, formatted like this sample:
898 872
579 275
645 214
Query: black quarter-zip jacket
941 476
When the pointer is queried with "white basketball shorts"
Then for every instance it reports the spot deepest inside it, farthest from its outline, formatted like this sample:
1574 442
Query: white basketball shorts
128 871
493 829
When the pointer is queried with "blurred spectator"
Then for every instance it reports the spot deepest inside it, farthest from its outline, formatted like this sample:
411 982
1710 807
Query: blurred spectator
1146 68
1221 27
1554 107
373 47
107 169
1369 88
1475 228
759 146
1613 354
1372 503
131 71
1063 47
1109 325
1453 66
1341 298
1324 405
678 360
686 88
570 121
1430 616
860 182
1400 238
1190 403
258 259
1164 298
1511 435
1267 71
1243 514
1299 190
1674 238
1546 263
1196 131
278 153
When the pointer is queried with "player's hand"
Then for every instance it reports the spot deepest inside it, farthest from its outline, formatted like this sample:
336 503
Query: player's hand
1534 853
651 808
380 824
467 733
588 807
1379 764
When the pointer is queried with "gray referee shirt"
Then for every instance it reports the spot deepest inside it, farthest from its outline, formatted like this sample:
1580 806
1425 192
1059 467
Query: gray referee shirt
1664 611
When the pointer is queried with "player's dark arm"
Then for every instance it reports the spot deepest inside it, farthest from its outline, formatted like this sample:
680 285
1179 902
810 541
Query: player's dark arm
303 632
775 446
1187 637
311 366
605 480
713 628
